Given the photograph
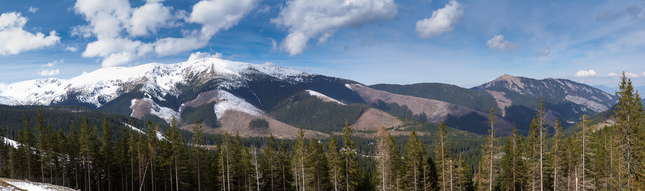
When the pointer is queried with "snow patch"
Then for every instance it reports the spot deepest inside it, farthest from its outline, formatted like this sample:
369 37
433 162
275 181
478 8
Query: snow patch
323 97
228 101
33 186
11 142
163 112
160 135
349 87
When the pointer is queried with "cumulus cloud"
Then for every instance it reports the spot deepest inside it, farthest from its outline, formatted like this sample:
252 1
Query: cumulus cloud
442 20
32 9
202 55
14 39
307 19
545 51
585 73
498 43
118 26
48 69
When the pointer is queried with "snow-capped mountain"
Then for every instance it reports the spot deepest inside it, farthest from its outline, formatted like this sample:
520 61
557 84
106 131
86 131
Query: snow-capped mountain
158 80
164 90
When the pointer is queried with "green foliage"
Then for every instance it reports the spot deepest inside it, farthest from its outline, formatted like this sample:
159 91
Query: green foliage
477 100
312 113
259 123
205 113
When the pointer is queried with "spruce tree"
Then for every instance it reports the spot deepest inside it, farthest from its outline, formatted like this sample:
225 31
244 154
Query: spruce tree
335 163
349 155
629 121
442 154
488 165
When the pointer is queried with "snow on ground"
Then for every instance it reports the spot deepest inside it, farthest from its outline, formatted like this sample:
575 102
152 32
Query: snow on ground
228 101
349 87
160 135
11 142
32 186
159 80
323 97
163 112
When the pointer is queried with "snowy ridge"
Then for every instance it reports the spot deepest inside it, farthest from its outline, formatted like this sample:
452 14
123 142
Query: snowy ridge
228 101
158 80
323 97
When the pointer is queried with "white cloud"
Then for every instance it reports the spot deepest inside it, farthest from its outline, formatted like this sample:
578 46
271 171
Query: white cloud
148 18
32 9
274 44
14 39
264 10
498 43
545 51
627 74
117 25
307 19
221 14
71 48
48 69
52 64
443 20
52 72
585 73
202 55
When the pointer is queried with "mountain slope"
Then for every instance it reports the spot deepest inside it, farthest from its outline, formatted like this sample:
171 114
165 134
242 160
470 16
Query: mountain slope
569 99
443 92
436 110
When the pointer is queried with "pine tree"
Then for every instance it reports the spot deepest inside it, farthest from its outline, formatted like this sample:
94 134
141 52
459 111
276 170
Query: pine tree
106 151
488 165
86 152
335 163
383 157
513 169
270 164
629 119
299 160
442 154
414 163
198 141
556 152
396 165
318 169
349 155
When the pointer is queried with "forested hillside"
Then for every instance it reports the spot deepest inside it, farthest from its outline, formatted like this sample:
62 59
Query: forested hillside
105 154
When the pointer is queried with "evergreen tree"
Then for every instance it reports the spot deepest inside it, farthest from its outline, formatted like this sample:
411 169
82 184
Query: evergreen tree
513 169
198 141
396 165
414 163
335 163
442 154
318 169
488 165
349 155
629 121
556 152
383 157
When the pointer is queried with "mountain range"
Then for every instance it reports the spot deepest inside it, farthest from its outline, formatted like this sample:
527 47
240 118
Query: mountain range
226 96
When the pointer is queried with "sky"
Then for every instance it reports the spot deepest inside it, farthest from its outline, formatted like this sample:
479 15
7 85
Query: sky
460 42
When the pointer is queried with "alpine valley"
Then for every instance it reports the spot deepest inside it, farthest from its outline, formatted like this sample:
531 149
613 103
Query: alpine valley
226 96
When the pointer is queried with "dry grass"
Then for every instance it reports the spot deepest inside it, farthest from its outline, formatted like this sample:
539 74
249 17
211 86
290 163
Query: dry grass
233 121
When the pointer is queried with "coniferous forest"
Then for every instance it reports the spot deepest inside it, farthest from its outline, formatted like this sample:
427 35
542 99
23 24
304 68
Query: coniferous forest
96 156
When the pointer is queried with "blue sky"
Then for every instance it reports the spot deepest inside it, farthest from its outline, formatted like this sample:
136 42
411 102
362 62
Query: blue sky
463 42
